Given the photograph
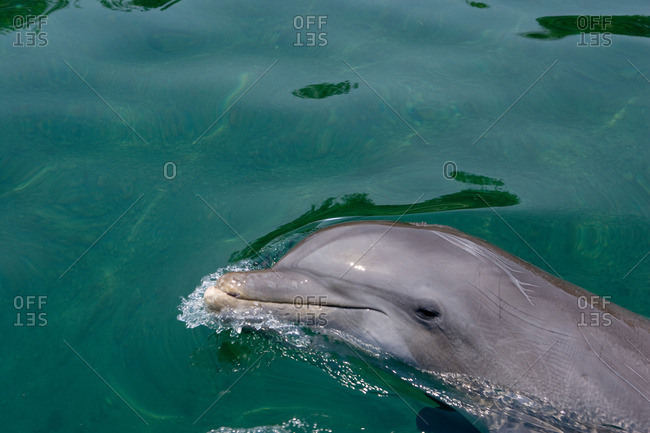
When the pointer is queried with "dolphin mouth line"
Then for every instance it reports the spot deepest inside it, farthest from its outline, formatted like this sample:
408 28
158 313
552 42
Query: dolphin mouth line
239 297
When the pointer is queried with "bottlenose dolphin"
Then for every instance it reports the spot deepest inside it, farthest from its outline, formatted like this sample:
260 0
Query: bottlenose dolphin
458 307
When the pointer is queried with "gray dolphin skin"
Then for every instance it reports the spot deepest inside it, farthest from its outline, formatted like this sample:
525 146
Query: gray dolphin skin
456 306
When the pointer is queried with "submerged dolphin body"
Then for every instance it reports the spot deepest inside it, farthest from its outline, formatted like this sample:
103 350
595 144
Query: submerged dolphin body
456 306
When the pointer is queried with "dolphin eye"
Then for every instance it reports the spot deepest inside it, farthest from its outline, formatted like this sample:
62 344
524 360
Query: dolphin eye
427 313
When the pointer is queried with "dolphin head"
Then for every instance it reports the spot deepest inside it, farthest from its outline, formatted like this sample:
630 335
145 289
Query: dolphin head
446 302
406 290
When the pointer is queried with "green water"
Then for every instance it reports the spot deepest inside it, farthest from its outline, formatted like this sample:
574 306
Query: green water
109 152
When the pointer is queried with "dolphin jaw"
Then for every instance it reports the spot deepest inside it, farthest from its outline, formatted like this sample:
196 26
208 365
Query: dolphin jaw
229 292
216 299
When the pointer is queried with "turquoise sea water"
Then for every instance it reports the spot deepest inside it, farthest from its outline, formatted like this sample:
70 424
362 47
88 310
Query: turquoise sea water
142 143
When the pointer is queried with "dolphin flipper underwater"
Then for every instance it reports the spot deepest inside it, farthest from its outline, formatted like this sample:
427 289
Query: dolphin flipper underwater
461 309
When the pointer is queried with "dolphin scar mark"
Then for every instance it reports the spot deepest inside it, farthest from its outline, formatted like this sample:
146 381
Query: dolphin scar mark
453 354
635 372
609 366
496 310
533 364
491 258
500 308
637 349
513 308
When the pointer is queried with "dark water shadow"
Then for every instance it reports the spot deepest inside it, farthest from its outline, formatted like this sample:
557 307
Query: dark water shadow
557 27
475 179
478 5
138 5
324 90
360 205
16 15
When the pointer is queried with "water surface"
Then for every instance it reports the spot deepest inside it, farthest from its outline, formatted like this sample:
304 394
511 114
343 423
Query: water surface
135 116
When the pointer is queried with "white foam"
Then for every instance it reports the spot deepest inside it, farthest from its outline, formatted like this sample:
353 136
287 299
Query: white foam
294 425
193 310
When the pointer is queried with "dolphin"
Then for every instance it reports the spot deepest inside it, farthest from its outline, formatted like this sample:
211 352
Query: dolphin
458 307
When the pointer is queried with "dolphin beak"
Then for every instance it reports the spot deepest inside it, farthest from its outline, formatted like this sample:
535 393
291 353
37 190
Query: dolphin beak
240 290
280 291
268 291
228 292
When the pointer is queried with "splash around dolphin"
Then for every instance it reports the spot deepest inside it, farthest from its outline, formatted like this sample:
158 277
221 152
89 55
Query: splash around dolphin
456 306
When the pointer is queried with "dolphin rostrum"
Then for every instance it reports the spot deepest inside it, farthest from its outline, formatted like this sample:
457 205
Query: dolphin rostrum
456 306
